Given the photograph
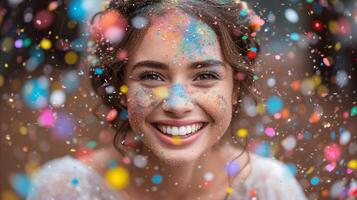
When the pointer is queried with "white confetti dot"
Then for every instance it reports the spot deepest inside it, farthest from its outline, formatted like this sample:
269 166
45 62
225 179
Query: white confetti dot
139 22
341 78
140 161
289 143
271 82
291 15
208 176
57 98
345 137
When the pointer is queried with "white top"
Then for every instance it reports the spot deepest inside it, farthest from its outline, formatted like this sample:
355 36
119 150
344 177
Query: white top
69 179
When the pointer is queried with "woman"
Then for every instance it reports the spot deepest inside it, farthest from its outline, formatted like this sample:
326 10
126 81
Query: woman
180 68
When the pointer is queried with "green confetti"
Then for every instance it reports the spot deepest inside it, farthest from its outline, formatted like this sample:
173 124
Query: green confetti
92 144
354 111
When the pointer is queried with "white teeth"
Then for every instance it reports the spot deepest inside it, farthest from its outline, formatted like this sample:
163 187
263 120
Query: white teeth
189 130
181 130
175 131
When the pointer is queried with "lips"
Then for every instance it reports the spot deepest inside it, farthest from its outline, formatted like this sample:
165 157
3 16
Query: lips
179 136
178 140
178 122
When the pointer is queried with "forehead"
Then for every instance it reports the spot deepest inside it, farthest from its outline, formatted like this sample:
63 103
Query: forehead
180 37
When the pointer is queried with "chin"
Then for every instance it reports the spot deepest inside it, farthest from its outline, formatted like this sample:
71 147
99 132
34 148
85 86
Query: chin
177 158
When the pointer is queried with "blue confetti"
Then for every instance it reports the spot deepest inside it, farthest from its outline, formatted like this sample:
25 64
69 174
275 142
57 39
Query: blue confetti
123 114
21 184
295 36
274 104
314 181
98 71
156 179
75 181
35 93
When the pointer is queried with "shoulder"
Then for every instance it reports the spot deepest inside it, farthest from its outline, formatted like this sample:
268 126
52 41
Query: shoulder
67 178
271 179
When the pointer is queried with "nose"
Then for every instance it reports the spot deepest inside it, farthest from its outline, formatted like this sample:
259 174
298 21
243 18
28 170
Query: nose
178 102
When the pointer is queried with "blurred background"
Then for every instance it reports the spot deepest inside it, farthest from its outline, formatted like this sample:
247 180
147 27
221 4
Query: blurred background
306 115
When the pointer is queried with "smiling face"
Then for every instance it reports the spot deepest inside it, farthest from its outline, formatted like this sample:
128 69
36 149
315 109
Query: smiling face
178 82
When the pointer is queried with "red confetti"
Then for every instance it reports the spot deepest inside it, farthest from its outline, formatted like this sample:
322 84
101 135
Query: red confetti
253 192
252 54
317 25
43 19
112 114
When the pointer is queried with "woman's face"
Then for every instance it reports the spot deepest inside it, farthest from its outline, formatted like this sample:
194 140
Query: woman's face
178 82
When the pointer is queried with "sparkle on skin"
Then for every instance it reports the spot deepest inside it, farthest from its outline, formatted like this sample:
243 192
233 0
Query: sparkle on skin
195 37
177 92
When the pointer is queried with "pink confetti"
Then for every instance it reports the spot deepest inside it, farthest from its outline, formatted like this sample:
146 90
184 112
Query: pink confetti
349 171
326 62
332 152
270 132
46 119
330 167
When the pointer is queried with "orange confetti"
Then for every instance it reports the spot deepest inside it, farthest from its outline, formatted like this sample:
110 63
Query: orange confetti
285 113
325 193
314 117
295 85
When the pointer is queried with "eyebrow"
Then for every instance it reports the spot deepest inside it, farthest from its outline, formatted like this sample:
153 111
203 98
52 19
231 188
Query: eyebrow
194 65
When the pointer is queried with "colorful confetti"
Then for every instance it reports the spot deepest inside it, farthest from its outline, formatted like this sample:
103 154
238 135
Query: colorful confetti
302 110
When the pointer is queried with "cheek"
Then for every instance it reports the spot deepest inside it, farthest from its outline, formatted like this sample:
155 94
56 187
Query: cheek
219 106
140 102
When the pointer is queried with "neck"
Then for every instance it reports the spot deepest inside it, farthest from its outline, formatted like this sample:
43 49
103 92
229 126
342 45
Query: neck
184 180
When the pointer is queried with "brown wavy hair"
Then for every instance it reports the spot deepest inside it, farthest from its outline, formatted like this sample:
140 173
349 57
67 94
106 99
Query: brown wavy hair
233 31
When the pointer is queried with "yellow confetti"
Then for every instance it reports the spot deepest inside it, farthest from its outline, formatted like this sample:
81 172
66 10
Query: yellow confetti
230 190
71 58
261 108
117 177
322 91
124 89
23 130
337 46
316 80
161 92
8 195
2 81
176 140
242 133
333 27
310 170
352 164
45 44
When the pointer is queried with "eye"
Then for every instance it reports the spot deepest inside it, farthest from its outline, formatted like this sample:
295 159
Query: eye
207 75
151 75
